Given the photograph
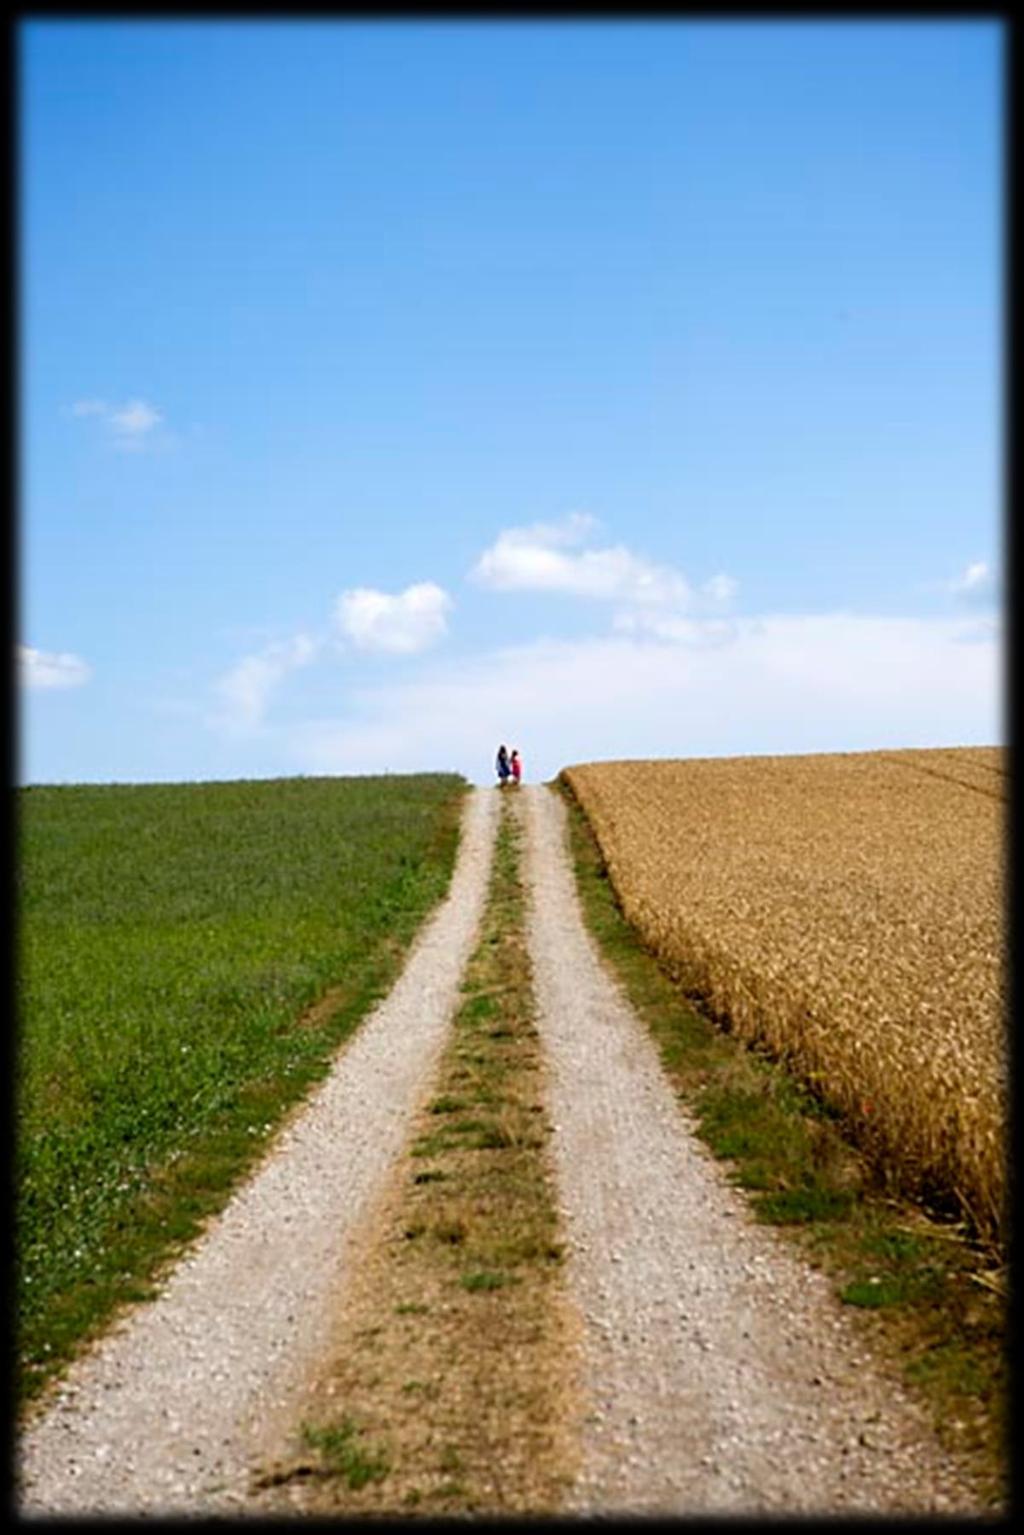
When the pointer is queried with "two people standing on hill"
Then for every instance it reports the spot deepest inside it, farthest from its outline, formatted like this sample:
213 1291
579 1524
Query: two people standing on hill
507 766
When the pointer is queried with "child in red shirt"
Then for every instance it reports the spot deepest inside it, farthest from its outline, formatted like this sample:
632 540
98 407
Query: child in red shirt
517 767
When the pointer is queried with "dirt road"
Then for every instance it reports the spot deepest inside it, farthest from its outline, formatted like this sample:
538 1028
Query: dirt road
716 1372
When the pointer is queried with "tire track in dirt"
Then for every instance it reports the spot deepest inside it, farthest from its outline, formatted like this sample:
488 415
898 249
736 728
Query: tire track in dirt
720 1373
166 1413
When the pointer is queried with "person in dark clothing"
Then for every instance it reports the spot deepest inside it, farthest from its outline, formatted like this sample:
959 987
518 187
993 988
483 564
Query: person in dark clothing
502 767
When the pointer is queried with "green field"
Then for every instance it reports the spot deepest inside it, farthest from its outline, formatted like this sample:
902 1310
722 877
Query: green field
171 942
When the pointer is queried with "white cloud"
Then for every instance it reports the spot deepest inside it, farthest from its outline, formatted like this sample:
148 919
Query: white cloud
371 620
534 559
675 627
135 419
978 583
778 684
975 576
245 690
986 627
720 588
546 557
402 624
574 528
45 669
131 425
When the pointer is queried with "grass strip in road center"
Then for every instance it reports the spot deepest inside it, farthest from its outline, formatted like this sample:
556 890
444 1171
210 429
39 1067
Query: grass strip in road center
446 1392
930 1301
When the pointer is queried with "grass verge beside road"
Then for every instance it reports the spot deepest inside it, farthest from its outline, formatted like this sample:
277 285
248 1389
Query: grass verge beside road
189 958
932 1302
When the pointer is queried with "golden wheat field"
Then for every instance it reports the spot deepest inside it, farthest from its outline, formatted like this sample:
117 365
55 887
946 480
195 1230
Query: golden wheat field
847 910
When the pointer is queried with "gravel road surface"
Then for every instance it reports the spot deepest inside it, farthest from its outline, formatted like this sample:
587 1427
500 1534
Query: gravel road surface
166 1414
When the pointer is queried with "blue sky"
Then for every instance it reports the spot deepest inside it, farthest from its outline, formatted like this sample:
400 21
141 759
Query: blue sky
612 389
